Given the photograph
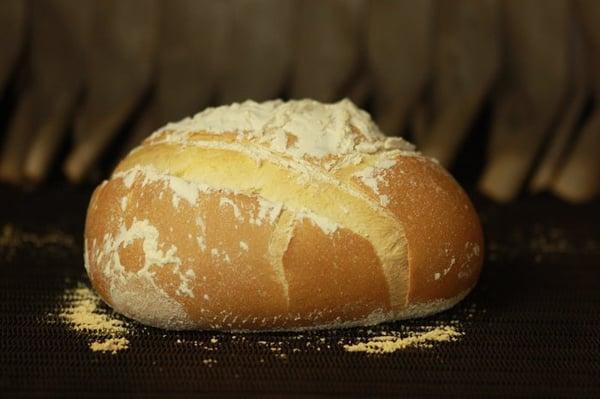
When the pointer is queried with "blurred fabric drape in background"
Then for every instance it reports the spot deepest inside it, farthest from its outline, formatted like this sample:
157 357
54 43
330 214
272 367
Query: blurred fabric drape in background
83 81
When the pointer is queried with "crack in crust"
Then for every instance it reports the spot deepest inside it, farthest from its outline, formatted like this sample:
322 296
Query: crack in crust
225 162
278 245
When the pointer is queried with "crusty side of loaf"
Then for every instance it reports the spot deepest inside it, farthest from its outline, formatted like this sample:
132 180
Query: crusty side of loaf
220 233
445 240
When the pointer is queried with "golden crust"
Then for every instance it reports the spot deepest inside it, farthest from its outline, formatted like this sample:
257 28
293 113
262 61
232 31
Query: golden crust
334 276
175 245
234 284
445 240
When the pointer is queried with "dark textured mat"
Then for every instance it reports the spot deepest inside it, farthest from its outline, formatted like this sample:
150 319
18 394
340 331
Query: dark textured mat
532 326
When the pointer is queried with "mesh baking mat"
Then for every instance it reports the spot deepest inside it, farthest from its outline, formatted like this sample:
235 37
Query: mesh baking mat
531 328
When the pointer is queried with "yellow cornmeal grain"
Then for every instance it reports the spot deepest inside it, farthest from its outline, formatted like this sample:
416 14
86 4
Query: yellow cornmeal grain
80 310
112 345
390 343
371 341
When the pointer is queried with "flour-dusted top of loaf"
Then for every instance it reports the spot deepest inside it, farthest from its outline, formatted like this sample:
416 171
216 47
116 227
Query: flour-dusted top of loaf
296 127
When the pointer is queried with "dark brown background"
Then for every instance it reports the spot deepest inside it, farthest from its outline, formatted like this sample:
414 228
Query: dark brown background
82 81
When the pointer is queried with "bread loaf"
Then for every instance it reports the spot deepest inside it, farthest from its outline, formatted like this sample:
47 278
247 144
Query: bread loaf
279 216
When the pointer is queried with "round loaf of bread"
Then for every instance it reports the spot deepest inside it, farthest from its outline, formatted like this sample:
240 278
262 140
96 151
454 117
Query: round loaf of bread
279 216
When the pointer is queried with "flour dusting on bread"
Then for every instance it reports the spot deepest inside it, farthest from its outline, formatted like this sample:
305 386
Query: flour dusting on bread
279 215
297 127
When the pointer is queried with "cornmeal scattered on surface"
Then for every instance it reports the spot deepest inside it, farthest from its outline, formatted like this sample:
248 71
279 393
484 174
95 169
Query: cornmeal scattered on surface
391 343
80 310
112 345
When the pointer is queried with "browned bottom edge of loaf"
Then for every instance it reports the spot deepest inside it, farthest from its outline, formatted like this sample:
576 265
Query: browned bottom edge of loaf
413 311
